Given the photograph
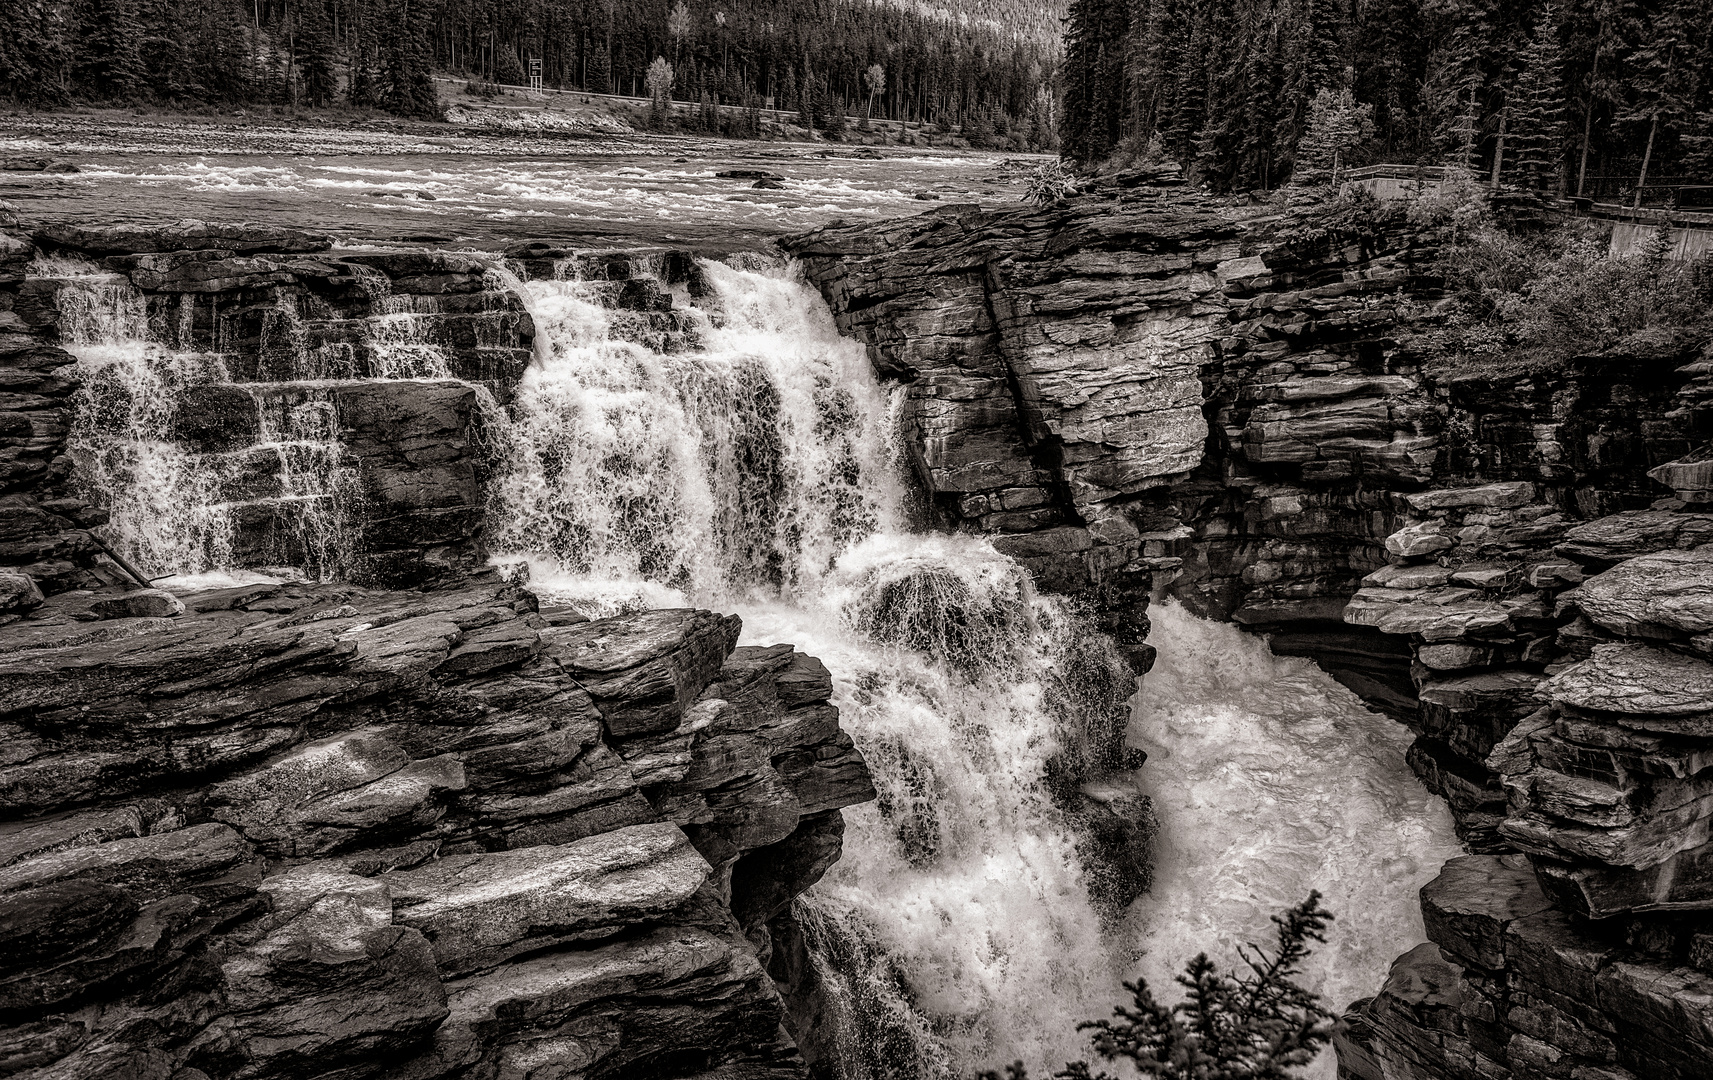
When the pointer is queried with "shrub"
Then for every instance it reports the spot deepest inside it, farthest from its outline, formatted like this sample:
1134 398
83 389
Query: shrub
1253 1025
1050 183
1542 299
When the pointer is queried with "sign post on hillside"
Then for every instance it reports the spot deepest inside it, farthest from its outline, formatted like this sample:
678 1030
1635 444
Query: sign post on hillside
535 74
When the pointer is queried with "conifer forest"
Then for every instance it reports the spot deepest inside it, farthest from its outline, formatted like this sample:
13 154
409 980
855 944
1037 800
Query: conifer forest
1569 95
990 64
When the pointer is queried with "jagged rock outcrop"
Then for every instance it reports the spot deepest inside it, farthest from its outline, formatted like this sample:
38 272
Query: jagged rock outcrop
1490 557
309 830
1147 385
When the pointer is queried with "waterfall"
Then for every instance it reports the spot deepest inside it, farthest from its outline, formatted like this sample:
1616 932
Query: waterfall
732 450
175 509
756 471
166 510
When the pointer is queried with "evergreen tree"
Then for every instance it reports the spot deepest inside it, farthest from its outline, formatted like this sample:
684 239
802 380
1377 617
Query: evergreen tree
1534 141
1337 124
1252 1025
109 59
1094 78
362 81
407 85
1662 73
1314 61
32 52
316 69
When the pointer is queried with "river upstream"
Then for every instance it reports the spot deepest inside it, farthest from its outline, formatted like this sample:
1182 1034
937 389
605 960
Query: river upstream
425 184
759 473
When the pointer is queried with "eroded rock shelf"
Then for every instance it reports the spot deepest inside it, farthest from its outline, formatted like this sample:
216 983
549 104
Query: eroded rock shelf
1145 389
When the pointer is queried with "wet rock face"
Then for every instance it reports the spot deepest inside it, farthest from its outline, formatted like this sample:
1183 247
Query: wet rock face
1516 566
313 353
1151 387
303 830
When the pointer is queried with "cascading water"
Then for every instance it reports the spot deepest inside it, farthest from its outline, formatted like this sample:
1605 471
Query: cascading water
1270 779
173 509
166 511
736 452
744 462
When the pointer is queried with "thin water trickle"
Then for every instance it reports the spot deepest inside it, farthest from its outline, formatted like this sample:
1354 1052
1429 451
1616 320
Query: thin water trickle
174 509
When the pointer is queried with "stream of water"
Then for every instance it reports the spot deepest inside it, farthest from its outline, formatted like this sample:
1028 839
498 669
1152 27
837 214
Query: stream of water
747 460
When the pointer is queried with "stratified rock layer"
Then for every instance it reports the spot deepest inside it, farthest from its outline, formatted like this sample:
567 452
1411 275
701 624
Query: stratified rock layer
300 831
1491 557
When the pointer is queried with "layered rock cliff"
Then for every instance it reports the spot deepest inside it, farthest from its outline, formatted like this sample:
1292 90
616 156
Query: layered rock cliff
1145 389
293 829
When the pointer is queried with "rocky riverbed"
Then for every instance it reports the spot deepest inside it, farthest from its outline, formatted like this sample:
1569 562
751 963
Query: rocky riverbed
390 181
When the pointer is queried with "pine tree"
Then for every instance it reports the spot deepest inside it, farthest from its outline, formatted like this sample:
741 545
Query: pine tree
1314 60
1093 117
1662 75
32 52
1252 1025
1337 124
316 69
109 64
1534 141
407 86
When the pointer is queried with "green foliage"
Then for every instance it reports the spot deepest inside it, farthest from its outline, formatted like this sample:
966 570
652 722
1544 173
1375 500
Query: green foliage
935 62
1230 85
1049 183
1529 301
407 85
32 52
317 69
1338 123
1256 1024
1535 139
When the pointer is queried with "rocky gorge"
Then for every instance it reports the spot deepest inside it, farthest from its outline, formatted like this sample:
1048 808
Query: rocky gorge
1146 390
405 817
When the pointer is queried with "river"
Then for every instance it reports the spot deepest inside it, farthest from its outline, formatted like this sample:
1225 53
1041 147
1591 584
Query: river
444 185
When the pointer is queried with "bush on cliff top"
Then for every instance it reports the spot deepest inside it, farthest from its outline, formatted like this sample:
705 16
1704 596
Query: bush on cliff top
1525 302
1253 1025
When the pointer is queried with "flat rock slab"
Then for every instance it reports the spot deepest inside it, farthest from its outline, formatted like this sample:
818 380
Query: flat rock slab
479 910
644 671
1663 595
186 235
1636 532
1641 687
1474 898
1505 495
139 604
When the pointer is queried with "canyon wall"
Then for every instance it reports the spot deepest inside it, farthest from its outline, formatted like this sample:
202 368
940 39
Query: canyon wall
411 826
1146 389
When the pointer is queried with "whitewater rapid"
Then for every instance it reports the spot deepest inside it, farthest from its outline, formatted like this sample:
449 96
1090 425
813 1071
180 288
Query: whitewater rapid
741 455
761 472
1270 779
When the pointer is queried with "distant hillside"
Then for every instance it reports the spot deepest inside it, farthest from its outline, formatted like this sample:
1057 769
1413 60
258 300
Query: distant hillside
989 65
1041 21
